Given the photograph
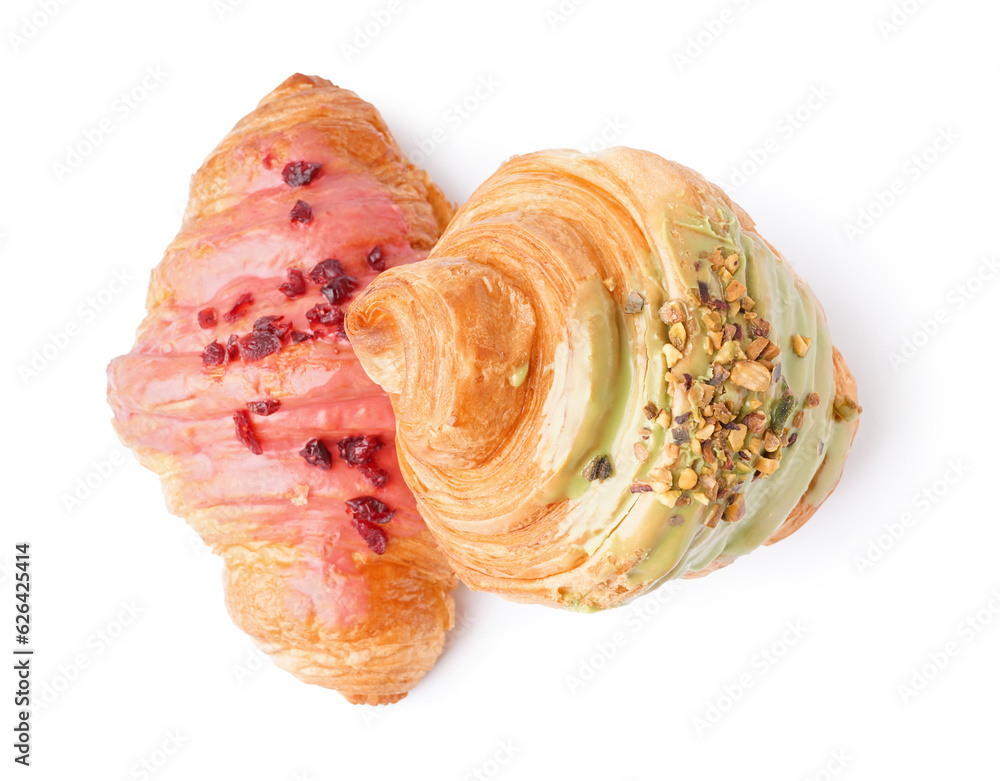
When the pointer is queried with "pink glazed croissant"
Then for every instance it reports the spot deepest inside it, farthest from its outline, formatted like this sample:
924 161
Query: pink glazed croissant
243 394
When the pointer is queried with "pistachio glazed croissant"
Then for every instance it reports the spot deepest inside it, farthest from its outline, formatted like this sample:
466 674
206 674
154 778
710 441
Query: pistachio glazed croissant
242 392
603 378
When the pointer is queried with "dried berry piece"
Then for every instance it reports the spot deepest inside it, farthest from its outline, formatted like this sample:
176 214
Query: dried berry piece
244 433
375 475
680 435
703 291
326 271
359 449
301 212
272 325
374 537
258 345
243 303
339 289
317 454
719 304
232 348
682 418
264 408
296 284
599 469
791 439
369 509
375 259
208 317
324 314
299 336
299 173
213 354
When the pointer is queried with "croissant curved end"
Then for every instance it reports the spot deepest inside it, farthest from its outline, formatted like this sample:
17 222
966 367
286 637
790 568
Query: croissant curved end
604 378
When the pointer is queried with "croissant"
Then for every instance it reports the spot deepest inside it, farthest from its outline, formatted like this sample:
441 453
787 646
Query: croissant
243 395
603 378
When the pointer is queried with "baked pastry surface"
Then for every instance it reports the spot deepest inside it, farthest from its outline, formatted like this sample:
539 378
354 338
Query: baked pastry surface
603 378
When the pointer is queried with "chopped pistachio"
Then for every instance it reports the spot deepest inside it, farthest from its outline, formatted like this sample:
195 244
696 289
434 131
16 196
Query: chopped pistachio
737 437
650 410
747 304
759 326
699 497
715 340
756 347
801 345
755 446
799 419
755 422
727 352
812 400
660 486
770 351
728 332
663 419
735 291
755 404
714 517
771 442
712 321
672 312
634 303
732 262
734 308
599 469
710 485
716 259
641 452
670 454
751 375
705 432
677 335
688 478
676 520
845 408
662 474
767 466
669 498
672 354
782 410
736 509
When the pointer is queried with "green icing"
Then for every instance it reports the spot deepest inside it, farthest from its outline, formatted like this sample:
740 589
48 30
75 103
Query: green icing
617 523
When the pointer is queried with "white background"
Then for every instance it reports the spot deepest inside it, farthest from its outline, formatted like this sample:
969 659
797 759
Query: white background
896 571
